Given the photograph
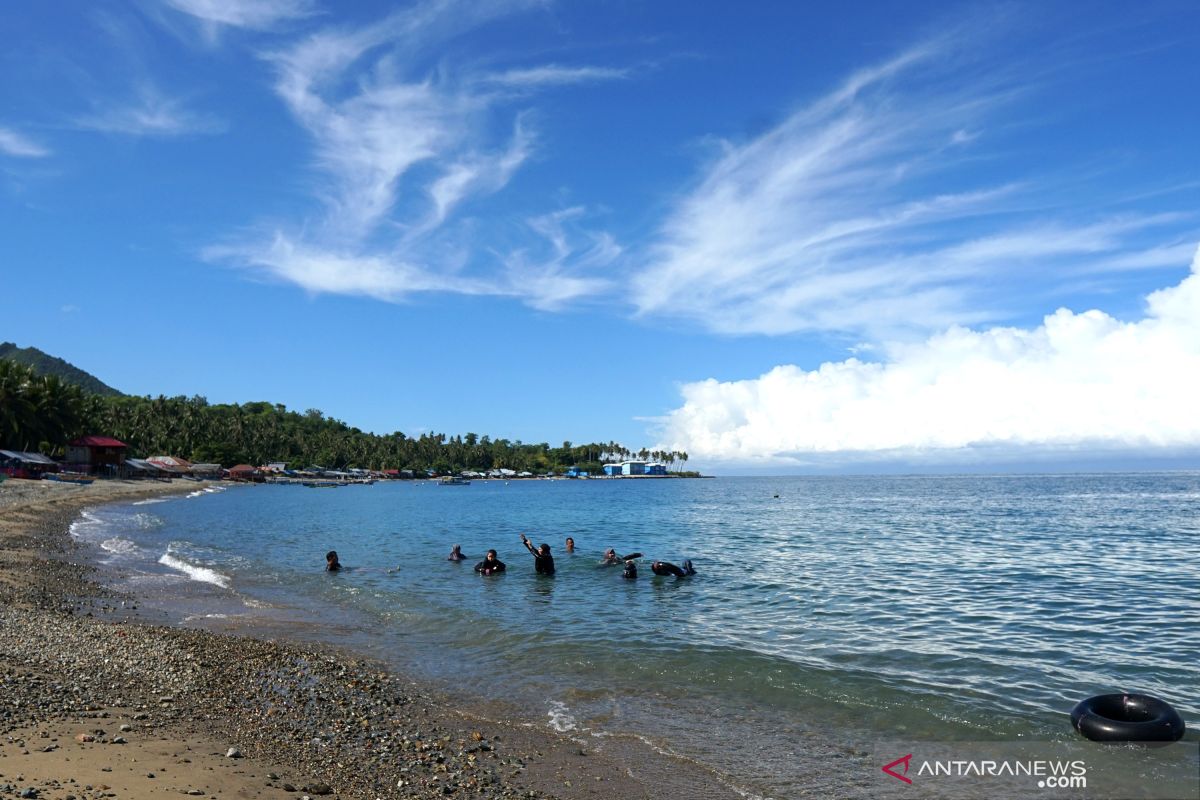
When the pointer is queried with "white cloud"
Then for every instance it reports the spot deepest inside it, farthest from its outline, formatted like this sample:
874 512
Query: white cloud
555 75
400 150
859 214
253 14
324 270
19 145
573 269
151 114
1080 382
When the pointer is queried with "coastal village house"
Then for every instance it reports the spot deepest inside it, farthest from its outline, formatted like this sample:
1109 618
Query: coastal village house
245 472
139 468
172 464
96 454
207 471
19 464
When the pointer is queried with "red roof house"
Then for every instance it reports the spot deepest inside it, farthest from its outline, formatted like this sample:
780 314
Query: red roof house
96 452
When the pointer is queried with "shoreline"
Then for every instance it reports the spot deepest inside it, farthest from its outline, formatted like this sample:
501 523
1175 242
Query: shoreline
310 718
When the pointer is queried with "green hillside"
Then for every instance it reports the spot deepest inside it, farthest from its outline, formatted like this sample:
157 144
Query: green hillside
44 364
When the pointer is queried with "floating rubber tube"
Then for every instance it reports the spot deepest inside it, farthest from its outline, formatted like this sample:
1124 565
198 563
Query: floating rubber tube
1127 718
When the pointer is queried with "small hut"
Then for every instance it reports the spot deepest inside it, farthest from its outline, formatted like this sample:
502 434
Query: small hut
245 472
19 464
138 468
174 465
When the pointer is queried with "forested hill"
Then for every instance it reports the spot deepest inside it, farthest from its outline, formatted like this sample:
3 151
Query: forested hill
44 412
45 364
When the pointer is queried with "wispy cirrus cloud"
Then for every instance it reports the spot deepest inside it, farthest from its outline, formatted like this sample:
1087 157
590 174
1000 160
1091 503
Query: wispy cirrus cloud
574 267
854 214
252 14
555 75
19 145
400 147
151 114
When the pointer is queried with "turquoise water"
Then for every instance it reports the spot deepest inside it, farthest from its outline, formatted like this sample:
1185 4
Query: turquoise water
827 613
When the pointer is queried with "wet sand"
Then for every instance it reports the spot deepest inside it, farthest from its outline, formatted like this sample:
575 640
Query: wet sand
96 702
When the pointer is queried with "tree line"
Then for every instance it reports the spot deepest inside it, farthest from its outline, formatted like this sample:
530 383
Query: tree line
43 413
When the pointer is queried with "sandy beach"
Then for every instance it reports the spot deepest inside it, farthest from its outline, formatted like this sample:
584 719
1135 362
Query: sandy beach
99 703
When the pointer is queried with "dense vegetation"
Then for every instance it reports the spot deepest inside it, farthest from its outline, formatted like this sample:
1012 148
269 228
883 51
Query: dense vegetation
44 412
45 364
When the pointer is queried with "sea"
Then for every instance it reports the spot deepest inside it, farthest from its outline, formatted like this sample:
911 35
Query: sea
826 615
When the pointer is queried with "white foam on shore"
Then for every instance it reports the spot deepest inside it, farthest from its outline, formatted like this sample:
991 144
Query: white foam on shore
88 523
197 493
202 574
151 501
119 547
560 717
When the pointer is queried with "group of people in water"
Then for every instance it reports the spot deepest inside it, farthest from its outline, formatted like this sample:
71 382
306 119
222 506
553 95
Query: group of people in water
543 561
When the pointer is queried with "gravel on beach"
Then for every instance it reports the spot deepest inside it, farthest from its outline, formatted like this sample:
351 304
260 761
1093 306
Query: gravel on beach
71 654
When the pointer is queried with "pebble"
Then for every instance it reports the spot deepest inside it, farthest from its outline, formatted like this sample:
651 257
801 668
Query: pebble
233 752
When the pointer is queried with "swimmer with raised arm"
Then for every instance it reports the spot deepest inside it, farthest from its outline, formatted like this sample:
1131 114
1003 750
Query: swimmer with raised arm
543 562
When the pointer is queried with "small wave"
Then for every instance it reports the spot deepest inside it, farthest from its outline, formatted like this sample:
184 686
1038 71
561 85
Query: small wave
88 523
194 617
197 493
560 717
202 574
118 546
151 501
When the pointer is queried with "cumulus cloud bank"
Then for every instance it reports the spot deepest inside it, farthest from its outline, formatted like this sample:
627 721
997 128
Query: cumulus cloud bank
1078 383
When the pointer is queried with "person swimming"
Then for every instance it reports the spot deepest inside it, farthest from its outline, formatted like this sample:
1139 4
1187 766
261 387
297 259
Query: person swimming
611 559
570 545
491 565
331 561
667 568
456 554
630 571
543 562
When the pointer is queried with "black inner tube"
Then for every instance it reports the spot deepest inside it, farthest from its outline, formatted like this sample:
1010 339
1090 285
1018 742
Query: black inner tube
1127 718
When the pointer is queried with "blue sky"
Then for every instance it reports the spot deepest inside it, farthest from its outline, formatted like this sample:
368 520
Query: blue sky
776 237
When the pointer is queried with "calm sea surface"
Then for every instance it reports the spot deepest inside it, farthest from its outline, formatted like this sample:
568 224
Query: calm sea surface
826 613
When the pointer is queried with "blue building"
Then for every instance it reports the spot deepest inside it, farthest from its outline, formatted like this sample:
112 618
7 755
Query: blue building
656 469
612 469
633 468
